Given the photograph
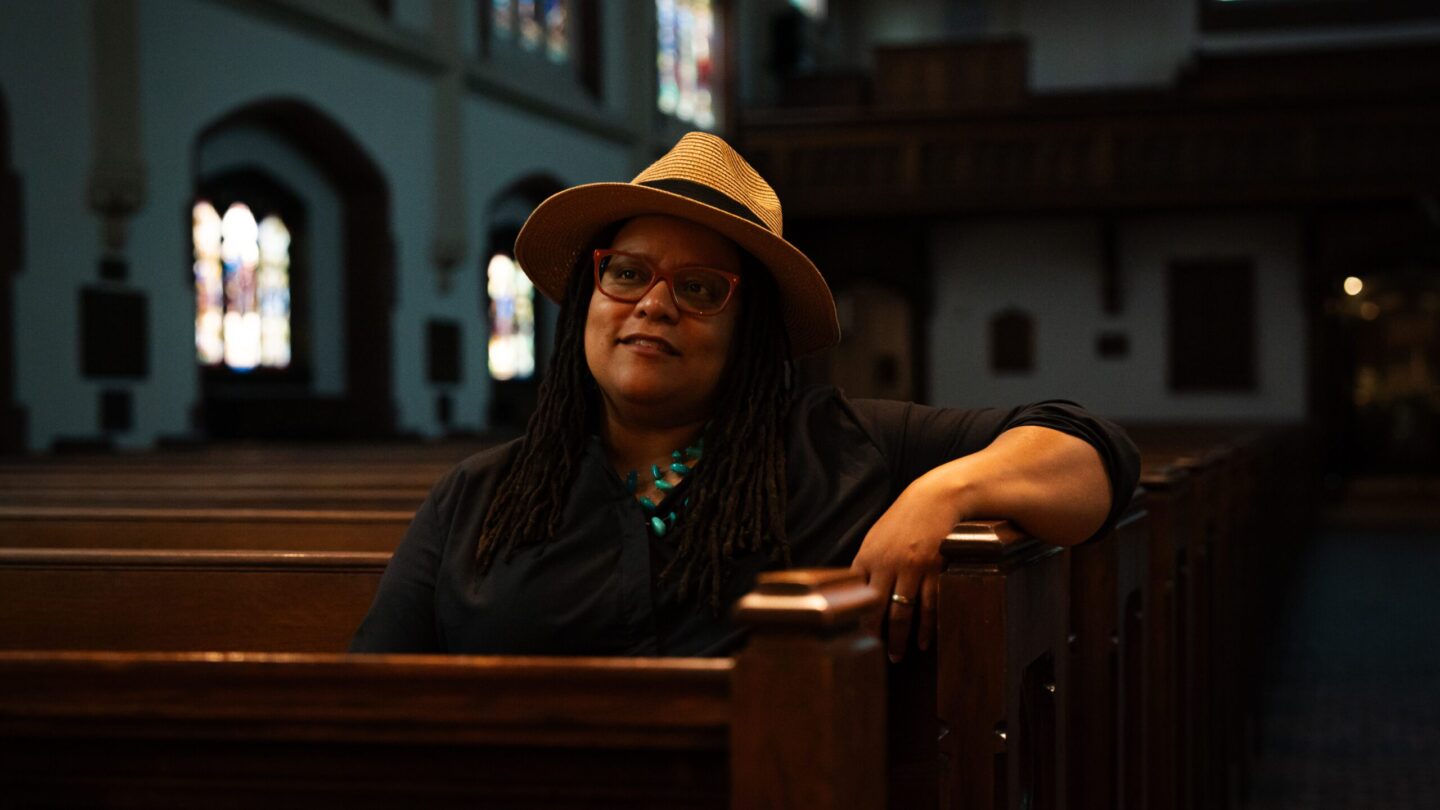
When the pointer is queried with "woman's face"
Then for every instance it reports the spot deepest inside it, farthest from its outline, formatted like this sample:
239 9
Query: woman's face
649 355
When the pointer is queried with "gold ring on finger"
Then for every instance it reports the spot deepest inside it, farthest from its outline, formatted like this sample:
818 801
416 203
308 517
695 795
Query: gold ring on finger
901 600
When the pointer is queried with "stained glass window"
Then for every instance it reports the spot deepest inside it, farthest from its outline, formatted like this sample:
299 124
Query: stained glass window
814 9
537 25
557 35
684 60
242 288
512 320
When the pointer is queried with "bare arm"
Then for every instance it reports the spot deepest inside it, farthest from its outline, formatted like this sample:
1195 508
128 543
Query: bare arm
1051 484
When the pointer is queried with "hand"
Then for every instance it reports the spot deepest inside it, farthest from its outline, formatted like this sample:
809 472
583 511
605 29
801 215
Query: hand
900 556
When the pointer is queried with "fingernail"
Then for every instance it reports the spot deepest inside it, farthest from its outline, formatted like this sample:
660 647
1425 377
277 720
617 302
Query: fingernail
894 659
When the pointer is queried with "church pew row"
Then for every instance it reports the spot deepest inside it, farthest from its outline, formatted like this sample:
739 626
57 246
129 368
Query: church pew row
1234 502
795 720
986 723
1169 578
144 568
174 528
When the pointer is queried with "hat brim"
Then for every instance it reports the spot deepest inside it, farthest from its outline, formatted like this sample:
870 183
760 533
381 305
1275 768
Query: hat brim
562 226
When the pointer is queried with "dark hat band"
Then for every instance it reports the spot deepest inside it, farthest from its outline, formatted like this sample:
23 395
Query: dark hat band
705 194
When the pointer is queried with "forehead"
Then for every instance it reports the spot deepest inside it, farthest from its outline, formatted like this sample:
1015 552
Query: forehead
676 242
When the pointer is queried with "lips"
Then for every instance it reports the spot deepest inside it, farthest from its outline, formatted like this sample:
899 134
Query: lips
650 341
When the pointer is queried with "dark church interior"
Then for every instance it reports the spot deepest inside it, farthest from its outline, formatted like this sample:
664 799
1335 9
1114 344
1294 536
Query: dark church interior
259 292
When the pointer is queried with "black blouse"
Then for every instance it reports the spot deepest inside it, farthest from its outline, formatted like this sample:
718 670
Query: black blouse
593 589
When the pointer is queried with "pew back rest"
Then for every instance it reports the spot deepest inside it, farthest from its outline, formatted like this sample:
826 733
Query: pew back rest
94 599
174 528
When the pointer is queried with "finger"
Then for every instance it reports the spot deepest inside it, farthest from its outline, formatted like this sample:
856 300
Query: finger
902 614
929 606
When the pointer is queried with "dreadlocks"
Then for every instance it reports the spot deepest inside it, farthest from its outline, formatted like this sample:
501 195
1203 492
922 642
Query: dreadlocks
737 496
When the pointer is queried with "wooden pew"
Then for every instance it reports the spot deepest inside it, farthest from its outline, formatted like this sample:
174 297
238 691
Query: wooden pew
190 528
794 721
980 719
1106 643
125 599
1171 511
1231 499
993 690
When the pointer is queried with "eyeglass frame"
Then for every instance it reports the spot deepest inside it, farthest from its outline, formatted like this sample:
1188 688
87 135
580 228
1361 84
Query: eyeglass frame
657 273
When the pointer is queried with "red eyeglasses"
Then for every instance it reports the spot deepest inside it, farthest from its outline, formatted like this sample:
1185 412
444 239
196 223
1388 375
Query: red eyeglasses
627 277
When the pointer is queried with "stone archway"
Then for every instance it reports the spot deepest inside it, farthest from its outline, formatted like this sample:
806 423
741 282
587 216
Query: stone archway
12 417
368 258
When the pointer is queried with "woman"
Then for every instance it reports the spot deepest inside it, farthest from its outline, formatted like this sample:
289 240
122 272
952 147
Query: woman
669 459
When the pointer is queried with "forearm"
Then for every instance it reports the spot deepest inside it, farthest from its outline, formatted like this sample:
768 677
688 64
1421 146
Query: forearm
1051 484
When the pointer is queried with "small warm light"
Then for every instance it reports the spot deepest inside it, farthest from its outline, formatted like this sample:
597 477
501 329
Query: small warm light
1369 310
1353 285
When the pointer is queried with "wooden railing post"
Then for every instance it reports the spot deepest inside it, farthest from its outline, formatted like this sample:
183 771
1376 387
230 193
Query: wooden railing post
1002 670
809 696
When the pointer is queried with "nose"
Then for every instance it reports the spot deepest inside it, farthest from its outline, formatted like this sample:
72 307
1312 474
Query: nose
659 303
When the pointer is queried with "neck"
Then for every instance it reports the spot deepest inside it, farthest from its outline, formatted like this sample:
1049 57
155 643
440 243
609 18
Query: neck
634 445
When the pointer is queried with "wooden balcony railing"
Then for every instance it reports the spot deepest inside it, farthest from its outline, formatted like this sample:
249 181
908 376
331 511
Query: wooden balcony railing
1193 146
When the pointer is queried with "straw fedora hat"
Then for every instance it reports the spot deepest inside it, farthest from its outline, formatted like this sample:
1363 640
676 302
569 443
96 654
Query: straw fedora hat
703 180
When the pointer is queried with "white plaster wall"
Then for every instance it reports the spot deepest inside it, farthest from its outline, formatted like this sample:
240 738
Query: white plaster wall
322 280
44 70
1051 269
1048 268
1273 242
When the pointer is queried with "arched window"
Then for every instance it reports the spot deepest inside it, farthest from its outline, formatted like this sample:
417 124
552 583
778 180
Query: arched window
287 159
242 288
539 26
1012 342
512 319
687 50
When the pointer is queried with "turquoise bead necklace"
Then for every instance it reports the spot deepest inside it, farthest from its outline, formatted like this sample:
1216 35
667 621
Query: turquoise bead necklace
658 525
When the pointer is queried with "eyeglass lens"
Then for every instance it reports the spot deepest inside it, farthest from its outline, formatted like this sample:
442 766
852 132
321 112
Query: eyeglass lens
696 289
